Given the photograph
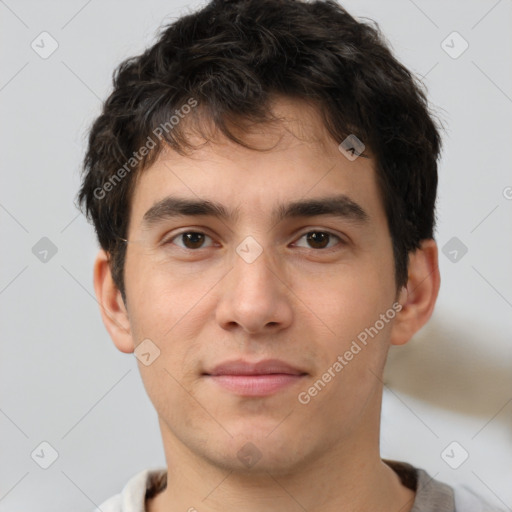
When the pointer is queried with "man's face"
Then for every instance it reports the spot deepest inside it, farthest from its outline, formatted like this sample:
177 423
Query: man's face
255 287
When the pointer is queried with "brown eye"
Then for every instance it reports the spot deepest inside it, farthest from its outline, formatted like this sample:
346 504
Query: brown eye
320 239
189 239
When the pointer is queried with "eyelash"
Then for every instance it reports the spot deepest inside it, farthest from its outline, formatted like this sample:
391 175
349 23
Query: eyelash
170 240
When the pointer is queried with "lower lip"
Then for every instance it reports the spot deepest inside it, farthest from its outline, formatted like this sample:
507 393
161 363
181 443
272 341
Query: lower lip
255 385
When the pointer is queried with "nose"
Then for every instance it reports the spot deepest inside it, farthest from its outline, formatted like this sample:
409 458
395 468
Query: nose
255 297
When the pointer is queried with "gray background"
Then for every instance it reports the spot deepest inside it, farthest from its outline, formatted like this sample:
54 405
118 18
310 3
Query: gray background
63 381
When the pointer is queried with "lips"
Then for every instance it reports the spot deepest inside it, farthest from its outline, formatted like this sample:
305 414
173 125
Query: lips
265 367
255 379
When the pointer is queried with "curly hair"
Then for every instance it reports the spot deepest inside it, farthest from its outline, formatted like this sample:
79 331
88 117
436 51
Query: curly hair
228 60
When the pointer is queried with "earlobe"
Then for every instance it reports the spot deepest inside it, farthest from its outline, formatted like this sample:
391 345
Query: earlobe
112 308
418 298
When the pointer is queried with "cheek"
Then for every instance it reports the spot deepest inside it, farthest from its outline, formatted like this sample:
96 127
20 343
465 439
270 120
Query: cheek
172 309
161 297
347 306
346 299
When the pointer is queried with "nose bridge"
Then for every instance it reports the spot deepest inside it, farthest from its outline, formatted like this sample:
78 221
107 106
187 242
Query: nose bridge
253 267
253 295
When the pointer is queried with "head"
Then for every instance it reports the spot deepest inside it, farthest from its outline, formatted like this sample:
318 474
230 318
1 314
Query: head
241 108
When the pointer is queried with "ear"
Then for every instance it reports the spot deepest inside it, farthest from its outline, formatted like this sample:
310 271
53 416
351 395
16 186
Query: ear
419 297
113 310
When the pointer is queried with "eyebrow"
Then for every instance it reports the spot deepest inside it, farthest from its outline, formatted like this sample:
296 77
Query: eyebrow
337 206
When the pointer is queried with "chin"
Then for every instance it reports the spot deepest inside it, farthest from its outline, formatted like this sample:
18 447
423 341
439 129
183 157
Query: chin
258 449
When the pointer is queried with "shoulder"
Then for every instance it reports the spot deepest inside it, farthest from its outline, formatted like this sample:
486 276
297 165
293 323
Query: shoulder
133 495
438 496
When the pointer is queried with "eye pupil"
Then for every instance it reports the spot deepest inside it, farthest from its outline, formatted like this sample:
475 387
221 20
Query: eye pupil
316 237
196 239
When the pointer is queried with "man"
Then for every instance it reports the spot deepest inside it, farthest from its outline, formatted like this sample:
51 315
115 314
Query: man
262 182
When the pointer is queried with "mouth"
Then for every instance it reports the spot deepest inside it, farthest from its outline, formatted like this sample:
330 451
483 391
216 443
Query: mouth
255 379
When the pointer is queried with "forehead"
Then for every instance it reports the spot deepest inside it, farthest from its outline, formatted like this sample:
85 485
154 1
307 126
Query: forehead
296 159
